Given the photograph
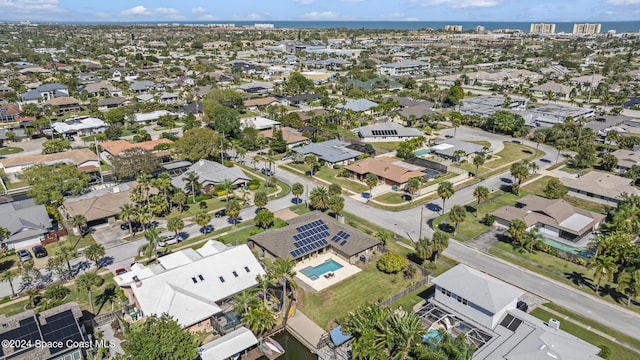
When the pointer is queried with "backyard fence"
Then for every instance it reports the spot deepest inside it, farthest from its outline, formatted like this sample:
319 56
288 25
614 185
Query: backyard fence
422 282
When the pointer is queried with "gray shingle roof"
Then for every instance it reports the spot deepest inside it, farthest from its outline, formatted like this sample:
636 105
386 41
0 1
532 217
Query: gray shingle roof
389 129
331 151
211 173
24 220
280 242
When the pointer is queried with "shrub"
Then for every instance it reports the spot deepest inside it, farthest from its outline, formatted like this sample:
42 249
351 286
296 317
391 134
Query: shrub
337 167
345 173
409 272
57 292
166 135
579 261
392 263
605 352
203 205
228 163
253 187
254 182
488 220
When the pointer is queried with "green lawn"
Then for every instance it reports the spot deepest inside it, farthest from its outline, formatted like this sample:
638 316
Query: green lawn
77 242
618 335
618 352
7 150
329 175
337 301
511 152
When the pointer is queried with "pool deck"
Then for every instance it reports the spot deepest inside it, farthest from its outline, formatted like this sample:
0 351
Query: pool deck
321 282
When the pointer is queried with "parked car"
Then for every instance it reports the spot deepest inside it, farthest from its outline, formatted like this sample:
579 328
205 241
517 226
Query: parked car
24 255
266 171
521 305
262 153
286 157
120 271
168 240
39 251
220 213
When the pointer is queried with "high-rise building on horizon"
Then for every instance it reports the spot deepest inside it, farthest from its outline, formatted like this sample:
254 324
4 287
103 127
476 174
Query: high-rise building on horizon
456 28
586 28
542 28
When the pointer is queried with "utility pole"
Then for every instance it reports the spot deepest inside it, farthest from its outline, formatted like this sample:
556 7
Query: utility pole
95 144
421 217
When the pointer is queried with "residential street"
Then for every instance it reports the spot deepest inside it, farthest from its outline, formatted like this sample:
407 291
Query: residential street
407 224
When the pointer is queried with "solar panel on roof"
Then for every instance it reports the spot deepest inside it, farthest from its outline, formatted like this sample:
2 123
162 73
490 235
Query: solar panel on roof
346 236
342 243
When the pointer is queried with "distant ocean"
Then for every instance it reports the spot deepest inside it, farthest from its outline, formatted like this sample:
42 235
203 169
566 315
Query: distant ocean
619 26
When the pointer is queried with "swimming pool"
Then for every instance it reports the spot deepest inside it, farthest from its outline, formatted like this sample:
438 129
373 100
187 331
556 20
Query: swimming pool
422 152
432 173
432 337
314 272
565 247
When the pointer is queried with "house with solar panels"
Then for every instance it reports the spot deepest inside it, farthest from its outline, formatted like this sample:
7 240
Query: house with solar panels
60 325
312 234
384 132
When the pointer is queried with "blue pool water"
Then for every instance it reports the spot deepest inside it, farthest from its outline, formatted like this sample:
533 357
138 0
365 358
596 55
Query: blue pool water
314 272
432 173
432 337
422 152
568 248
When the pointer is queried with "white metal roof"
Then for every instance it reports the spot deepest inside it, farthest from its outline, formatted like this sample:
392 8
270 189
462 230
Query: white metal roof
576 222
228 345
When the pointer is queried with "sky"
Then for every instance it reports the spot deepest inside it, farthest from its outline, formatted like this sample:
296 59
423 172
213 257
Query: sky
346 10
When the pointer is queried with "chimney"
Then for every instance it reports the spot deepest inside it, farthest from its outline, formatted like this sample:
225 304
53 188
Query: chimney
138 282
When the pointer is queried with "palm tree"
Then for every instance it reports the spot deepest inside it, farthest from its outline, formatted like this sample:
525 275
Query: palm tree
529 240
144 181
455 122
457 215
283 269
517 228
413 184
259 319
227 185
175 224
264 281
478 161
163 184
311 160
192 183
260 199
128 214
319 198
9 276
67 252
520 171
533 166
153 238
244 300
87 280
78 221
628 284
371 180
384 236
604 266
95 252
539 137
439 243
233 210
424 248
481 193
179 199
297 189
445 191
202 218
336 204
458 154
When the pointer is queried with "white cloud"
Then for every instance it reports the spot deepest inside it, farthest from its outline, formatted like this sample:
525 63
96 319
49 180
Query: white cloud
623 2
462 4
144 11
304 2
198 10
321 15
33 8
254 16
352 1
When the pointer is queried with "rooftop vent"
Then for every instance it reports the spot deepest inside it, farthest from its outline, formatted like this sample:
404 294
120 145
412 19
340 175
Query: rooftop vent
553 323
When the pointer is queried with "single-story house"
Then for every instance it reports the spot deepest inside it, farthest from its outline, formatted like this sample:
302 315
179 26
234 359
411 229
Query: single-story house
150 117
196 287
303 99
210 174
116 147
447 148
260 102
359 105
101 88
9 112
168 98
292 136
403 68
388 131
626 159
142 87
331 152
558 90
554 217
111 103
311 234
81 125
256 87
62 327
389 170
99 206
82 158
145 98
26 222
43 93
469 301
258 123
600 187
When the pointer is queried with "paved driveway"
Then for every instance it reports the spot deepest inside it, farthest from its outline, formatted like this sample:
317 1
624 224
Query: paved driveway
109 235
